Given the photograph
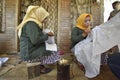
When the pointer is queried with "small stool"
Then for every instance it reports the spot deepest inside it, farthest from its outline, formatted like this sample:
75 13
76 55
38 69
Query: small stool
63 71
33 70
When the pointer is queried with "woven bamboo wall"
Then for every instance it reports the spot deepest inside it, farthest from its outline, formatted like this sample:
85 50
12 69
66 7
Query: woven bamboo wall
87 6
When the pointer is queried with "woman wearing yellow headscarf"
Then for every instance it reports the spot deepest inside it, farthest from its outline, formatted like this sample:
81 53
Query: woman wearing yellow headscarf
81 30
32 38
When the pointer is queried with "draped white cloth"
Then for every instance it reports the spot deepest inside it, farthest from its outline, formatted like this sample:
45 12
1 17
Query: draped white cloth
102 38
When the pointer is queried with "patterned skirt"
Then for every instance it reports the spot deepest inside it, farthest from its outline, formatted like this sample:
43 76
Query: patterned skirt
47 59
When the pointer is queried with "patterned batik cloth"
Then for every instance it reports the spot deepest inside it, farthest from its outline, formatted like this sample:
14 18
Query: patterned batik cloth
47 59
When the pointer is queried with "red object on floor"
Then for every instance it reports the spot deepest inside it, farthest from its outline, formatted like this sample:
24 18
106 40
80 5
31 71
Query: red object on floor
60 52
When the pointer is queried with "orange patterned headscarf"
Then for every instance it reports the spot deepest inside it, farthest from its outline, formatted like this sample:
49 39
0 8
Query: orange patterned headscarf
80 21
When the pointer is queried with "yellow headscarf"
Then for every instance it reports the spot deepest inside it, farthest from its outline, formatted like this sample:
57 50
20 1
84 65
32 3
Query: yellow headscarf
34 13
80 21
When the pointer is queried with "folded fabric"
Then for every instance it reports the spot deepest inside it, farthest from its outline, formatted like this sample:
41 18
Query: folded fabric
3 60
51 47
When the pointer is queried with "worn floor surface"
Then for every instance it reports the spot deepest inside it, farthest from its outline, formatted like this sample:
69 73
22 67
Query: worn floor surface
14 71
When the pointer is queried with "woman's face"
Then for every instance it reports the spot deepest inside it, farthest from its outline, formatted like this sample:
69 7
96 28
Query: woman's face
45 20
87 21
118 6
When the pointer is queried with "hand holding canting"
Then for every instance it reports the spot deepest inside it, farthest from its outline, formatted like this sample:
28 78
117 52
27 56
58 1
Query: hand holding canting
86 32
50 34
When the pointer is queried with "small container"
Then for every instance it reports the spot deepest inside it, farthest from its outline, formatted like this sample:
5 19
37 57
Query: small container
63 70
63 62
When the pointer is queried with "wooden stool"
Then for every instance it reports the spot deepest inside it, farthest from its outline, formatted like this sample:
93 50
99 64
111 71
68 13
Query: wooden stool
63 72
33 70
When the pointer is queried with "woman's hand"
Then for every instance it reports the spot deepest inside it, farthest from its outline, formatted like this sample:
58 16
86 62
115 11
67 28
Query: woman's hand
50 34
86 32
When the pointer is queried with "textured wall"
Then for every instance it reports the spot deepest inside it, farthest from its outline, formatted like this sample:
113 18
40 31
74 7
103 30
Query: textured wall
64 26
8 38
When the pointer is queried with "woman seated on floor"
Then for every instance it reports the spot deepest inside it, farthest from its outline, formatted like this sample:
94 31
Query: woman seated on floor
32 38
